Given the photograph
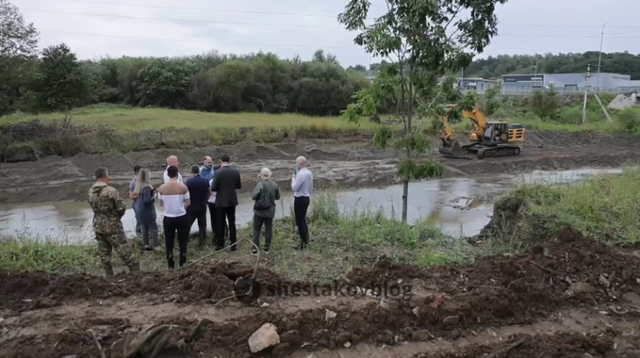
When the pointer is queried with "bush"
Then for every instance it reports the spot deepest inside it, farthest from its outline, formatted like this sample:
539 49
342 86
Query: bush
629 118
573 115
545 104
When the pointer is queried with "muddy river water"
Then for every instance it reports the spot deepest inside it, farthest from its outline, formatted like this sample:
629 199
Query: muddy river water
459 206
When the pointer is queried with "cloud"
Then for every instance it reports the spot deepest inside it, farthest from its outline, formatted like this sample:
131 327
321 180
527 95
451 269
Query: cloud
299 27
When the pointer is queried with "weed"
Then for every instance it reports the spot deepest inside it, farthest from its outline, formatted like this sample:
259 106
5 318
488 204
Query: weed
339 241
605 207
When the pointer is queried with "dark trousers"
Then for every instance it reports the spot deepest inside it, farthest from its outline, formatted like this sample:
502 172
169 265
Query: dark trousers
214 220
179 225
199 212
268 231
228 213
300 206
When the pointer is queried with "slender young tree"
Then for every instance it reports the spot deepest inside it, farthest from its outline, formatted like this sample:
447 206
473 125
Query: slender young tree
422 41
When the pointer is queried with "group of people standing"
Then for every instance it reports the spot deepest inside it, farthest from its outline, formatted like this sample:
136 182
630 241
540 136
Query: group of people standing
184 202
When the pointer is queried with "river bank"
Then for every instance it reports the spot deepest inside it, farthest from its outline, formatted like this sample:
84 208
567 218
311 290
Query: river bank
348 162
570 296
457 206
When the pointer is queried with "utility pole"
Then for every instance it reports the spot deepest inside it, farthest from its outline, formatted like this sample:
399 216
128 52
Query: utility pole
600 57
586 90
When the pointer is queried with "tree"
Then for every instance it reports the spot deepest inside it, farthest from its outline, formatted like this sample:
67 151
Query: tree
16 37
18 42
162 83
424 40
545 104
63 84
492 101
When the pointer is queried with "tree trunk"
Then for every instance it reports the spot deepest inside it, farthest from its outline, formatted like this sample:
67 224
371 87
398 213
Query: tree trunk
405 200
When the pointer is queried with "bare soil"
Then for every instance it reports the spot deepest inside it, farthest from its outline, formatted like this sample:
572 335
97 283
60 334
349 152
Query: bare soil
347 162
571 297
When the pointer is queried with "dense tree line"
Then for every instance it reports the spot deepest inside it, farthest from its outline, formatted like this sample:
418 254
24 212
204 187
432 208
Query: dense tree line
222 83
54 79
493 67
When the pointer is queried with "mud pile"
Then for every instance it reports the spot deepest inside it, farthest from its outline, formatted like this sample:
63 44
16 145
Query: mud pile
567 287
23 290
565 260
573 345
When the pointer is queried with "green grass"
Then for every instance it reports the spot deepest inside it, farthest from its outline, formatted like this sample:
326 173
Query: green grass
605 207
120 130
116 129
125 118
464 127
339 241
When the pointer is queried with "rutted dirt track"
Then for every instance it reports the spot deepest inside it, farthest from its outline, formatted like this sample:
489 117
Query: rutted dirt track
350 162
571 298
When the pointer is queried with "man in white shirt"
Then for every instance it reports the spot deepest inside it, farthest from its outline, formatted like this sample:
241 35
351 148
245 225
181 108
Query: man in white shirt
302 185
174 198
172 161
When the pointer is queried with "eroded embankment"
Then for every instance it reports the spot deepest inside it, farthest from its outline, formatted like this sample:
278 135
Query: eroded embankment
566 287
346 162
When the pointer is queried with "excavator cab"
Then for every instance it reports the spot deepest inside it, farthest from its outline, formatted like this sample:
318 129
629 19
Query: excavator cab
496 133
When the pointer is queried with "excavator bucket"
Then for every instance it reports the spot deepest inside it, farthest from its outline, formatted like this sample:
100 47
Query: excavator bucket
453 150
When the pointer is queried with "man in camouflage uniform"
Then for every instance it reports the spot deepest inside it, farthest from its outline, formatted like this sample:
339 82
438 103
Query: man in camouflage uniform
108 209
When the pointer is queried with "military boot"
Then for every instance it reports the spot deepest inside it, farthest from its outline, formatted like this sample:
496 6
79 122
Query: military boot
108 271
134 268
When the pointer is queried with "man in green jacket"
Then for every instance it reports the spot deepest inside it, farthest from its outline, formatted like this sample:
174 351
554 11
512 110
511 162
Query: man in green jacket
265 195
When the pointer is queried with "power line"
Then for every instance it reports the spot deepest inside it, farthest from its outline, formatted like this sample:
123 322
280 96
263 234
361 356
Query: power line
279 25
312 15
203 9
242 43
182 20
202 41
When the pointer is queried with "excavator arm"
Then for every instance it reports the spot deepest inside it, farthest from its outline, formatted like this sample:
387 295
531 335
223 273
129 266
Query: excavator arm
479 123
450 146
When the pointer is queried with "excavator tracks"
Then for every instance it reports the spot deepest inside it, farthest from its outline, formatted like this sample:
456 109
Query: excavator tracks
500 151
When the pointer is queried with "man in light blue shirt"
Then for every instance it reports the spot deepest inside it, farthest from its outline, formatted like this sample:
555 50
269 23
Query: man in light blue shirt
302 185
207 170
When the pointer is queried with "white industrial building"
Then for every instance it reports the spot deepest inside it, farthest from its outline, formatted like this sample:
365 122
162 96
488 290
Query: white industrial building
568 82
477 84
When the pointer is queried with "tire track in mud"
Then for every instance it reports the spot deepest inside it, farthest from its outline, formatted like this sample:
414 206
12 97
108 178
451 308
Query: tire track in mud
571 284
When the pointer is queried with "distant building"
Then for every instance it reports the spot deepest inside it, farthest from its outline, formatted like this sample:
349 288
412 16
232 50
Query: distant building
477 84
567 82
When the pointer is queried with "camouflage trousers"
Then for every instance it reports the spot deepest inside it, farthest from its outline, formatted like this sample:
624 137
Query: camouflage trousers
118 242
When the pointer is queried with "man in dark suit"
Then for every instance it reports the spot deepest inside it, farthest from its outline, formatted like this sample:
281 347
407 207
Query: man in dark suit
225 183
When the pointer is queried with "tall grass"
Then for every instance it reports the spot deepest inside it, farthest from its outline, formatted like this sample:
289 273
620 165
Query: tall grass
125 118
605 207
339 241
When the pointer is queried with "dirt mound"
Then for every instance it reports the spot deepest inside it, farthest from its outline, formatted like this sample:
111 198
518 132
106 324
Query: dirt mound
28 290
562 345
570 271
22 290
565 267
566 274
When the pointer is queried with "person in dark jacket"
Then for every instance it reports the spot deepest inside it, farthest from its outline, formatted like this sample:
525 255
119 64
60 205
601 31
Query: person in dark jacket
146 210
225 183
265 195
199 191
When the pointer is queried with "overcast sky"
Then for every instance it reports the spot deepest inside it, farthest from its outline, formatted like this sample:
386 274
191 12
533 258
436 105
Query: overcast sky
96 28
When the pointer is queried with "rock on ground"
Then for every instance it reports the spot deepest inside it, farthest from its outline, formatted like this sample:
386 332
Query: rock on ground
265 337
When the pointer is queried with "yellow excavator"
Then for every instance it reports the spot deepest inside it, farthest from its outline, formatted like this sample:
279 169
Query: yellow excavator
488 139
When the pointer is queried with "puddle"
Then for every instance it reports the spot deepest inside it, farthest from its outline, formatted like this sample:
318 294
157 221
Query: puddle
459 206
